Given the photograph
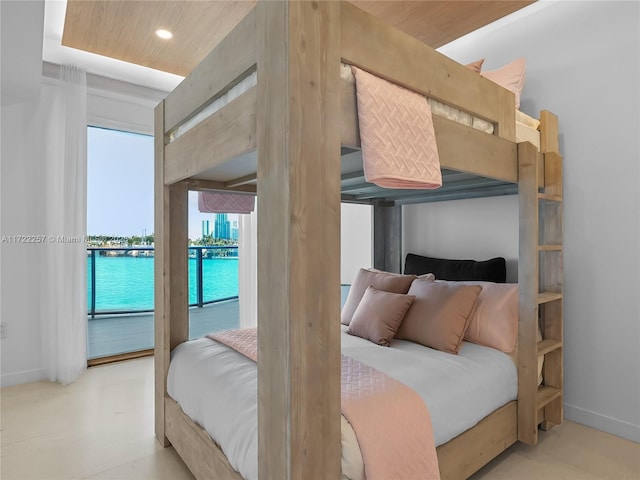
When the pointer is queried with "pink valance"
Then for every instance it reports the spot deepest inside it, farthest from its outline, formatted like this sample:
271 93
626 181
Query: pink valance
214 202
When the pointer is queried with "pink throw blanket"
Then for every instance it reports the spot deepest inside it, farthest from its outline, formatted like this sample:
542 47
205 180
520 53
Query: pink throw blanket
243 340
215 202
396 135
391 422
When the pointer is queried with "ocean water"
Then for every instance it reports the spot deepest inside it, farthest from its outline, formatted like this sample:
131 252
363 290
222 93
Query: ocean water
126 283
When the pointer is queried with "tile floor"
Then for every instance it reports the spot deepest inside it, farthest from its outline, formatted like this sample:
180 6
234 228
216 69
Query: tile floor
101 427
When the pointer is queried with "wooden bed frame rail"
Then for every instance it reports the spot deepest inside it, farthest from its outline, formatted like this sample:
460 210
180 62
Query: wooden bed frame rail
295 119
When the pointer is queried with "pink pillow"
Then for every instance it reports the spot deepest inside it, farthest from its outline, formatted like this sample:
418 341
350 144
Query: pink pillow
385 281
494 320
475 66
379 315
439 315
511 77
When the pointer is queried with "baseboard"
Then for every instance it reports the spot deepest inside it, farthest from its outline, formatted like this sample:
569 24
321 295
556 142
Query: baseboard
602 422
26 376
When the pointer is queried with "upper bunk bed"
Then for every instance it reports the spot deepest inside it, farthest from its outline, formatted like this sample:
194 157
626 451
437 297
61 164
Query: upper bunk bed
221 118
282 124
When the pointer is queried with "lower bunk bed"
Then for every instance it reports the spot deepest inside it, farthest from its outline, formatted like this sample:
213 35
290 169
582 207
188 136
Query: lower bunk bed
217 388
469 387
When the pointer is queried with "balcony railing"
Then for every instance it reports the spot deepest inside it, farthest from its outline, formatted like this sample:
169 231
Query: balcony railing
127 286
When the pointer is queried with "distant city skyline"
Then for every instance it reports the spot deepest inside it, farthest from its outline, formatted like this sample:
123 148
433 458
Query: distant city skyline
221 228
196 217
120 186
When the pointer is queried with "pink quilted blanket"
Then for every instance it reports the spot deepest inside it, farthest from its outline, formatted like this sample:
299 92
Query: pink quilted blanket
242 340
396 135
216 202
391 422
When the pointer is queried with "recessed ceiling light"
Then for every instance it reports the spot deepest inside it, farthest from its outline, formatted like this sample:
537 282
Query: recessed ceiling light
164 34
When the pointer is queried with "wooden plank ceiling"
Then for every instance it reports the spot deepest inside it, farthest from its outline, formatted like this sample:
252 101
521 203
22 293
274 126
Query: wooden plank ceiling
124 29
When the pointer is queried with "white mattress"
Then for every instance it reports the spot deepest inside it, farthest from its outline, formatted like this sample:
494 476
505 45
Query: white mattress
217 387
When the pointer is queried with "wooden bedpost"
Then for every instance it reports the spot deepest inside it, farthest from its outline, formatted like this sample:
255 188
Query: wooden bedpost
387 237
528 159
171 268
298 138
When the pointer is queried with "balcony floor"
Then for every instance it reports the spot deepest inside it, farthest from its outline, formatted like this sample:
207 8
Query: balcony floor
113 335
116 334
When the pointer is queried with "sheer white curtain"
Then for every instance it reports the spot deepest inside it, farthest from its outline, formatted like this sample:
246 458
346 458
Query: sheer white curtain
61 133
248 269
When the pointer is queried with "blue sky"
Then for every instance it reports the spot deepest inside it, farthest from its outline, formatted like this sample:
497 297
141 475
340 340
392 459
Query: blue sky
120 186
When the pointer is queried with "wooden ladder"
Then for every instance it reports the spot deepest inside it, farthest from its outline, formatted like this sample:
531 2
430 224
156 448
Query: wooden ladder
540 280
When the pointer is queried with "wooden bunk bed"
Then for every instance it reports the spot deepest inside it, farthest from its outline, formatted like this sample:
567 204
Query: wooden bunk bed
288 138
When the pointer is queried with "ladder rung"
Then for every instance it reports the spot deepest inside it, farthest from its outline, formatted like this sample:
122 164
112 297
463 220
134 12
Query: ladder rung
549 248
546 395
546 346
550 197
546 297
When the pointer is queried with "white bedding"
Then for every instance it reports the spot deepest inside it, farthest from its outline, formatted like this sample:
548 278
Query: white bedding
217 387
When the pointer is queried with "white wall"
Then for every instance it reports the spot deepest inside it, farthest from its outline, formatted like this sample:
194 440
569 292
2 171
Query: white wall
583 63
22 178
20 49
356 240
